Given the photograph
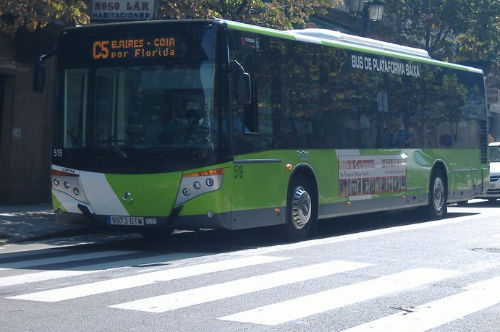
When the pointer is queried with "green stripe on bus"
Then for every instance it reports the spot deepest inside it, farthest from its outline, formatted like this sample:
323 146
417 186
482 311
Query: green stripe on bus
259 30
56 205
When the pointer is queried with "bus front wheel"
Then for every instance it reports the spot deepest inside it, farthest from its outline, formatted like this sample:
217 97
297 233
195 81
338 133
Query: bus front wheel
301 211
437 208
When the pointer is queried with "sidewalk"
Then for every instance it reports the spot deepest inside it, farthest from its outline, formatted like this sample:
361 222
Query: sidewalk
19 223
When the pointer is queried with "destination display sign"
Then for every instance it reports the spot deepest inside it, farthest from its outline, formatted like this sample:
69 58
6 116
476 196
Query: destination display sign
153 47
147 43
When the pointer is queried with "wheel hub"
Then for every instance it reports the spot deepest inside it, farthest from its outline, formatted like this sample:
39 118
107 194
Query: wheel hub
438 195
301 207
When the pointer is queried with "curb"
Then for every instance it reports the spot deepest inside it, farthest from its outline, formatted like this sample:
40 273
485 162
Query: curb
33 222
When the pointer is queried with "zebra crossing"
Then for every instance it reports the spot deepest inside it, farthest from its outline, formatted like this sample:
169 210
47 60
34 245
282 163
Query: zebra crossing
32 280
99 287
215 292
476 297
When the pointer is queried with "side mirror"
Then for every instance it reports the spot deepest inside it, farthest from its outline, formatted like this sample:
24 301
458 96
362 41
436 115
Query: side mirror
243 88
39 75
40 72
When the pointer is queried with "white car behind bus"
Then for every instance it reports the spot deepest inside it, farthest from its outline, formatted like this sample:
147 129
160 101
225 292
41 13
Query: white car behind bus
491 190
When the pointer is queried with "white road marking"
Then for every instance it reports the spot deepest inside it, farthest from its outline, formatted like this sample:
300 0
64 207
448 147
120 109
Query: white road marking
86 269
233 288
99 287
304 306
477 296
61 259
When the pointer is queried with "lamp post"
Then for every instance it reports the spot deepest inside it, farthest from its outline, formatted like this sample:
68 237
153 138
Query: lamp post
366 11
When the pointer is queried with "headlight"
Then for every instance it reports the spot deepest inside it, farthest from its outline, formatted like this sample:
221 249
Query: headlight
202 182
70 184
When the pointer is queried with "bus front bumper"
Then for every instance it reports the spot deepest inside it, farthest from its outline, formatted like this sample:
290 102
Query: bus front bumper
136 224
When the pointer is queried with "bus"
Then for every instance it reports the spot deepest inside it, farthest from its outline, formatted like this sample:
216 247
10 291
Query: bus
195 124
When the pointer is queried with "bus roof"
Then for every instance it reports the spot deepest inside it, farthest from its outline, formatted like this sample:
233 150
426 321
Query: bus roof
341 40
357 40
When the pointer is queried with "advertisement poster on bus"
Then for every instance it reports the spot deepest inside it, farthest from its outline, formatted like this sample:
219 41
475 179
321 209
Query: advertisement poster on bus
362 176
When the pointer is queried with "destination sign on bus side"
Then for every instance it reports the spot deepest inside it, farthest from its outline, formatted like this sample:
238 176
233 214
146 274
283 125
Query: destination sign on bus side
159 47
384 66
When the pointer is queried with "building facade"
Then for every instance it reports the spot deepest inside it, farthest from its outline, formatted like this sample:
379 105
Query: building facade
25 119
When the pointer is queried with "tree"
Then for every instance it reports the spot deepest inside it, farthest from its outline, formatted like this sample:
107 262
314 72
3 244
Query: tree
34 14
281 14
466 31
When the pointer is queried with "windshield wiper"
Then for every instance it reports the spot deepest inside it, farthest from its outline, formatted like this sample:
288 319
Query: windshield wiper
119 151
112 141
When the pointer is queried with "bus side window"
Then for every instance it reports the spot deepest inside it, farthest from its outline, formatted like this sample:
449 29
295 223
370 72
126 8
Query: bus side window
250 113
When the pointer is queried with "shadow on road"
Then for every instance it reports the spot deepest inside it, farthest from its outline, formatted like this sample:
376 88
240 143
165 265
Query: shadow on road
189 244
220 241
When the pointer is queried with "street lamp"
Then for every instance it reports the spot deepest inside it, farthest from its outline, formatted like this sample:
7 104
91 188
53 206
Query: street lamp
376 10
366 11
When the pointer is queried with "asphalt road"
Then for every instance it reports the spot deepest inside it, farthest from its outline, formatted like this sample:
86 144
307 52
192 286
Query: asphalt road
378 272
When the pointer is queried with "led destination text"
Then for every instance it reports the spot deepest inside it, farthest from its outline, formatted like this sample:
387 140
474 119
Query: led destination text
133 48
384 66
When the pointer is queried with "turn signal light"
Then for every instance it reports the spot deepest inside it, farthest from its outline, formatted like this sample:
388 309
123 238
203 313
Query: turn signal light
212 172
61 173
198 183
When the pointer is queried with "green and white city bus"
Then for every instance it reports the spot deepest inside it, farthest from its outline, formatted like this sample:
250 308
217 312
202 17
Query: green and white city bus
167 125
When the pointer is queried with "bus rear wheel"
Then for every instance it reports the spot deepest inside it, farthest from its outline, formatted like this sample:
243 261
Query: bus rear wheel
437 208
301 211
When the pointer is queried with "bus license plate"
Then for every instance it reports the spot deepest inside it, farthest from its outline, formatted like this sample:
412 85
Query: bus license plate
126 221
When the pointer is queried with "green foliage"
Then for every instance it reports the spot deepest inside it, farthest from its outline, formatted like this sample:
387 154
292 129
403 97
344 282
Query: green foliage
454 30
281 14
482 36
34 14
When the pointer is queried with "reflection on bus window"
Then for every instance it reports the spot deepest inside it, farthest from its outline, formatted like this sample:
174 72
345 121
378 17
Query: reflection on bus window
142 107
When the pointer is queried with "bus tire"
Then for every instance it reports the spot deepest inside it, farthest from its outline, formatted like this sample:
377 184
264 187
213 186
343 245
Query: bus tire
156 234
437 208
301 209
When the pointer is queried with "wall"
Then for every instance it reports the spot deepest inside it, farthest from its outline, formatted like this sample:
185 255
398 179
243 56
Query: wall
26 133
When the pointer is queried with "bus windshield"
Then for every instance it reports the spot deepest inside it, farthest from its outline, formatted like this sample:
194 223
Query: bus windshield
139 107
131 94
135 111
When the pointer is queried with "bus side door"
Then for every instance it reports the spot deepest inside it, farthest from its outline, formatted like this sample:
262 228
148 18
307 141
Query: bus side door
258 193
